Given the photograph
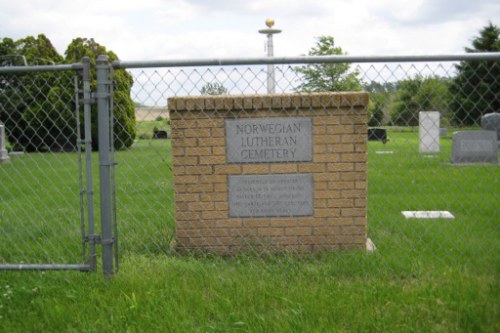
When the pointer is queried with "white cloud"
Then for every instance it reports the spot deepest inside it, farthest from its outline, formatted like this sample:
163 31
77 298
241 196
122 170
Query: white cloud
153 29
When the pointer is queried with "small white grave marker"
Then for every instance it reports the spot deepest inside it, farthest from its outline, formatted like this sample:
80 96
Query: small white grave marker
382 152
428 214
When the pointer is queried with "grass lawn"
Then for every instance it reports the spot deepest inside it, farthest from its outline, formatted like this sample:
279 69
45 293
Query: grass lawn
426 275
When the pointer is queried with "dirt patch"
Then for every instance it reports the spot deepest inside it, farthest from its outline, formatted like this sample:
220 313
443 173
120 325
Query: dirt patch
151 113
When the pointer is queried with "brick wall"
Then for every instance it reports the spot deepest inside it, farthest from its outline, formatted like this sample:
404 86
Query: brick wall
338 168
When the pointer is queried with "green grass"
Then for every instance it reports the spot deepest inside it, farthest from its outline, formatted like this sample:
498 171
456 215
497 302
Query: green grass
220 295
426 275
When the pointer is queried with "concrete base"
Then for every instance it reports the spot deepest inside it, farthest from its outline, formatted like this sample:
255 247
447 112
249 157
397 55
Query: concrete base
4 156
370 246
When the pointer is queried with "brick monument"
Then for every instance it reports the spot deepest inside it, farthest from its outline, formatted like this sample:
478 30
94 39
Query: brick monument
270 173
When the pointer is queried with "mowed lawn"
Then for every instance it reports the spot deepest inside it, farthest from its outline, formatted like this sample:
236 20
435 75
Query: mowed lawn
434 275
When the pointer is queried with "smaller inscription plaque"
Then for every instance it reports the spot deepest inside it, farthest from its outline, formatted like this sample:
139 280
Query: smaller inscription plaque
269 140
271 195
478 146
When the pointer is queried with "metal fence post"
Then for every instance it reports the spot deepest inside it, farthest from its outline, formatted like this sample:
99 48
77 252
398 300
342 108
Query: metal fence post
105 163
87 100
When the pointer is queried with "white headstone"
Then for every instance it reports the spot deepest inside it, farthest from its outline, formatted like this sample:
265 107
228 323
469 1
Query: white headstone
4 156
428 131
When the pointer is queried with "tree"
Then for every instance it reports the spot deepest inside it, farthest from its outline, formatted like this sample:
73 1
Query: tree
381 95
376 109
419 94
215 88
37 108
28 51
327 76
476 88
38 51
8 53
124 109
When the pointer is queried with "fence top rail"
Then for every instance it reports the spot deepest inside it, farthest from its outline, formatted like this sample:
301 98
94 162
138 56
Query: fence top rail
40 68
305 60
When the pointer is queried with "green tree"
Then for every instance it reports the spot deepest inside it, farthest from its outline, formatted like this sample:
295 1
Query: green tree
476 88
215 88
381 95
8 53
38 51
36 108
327 76
124 110
419 94
376 109
28 51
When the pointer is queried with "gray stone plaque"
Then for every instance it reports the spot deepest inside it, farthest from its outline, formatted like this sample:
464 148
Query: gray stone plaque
269 140
271 195
491 122
474 147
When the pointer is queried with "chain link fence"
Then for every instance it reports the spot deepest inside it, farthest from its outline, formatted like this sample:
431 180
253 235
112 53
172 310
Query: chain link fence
401 178
46 198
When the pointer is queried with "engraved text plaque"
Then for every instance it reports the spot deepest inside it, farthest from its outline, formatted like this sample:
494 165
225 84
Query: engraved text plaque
271 195
267 140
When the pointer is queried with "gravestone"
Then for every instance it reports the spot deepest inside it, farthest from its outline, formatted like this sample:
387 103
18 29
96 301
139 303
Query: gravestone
4 156
428 132
474 147
270 173
160 134
377 134
491 122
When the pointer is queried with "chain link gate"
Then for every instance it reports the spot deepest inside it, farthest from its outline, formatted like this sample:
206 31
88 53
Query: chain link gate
48 137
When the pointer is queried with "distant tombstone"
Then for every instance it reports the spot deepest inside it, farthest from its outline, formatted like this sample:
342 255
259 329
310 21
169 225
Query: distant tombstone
443 132
377 134
474 147
160 134
4 156
428 131
491 122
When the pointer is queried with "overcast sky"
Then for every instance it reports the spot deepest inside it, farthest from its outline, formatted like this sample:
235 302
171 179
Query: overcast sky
173 29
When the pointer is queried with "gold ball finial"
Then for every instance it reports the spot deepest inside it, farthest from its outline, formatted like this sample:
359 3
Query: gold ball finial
269 22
